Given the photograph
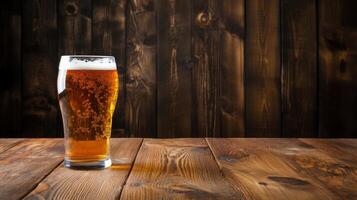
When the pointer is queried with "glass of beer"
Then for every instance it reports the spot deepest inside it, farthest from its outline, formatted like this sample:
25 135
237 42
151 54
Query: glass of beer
87 92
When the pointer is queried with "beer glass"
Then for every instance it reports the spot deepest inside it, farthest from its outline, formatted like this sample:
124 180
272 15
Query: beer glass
87 92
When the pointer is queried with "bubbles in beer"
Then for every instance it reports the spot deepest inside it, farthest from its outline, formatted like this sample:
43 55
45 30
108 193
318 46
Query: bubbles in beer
87 105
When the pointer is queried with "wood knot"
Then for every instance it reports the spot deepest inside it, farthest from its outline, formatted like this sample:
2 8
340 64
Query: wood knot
335 41
136 184
307 146
288 180
237 156
343 66
203 19
263 183
71 9
132 82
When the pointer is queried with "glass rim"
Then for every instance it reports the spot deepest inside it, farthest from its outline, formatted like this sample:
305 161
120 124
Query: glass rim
89 62
86 56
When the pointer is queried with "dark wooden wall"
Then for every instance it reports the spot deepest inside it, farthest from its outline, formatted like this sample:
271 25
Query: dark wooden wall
188 68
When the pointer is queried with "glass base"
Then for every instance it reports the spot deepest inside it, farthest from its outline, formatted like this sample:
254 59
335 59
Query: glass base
88 165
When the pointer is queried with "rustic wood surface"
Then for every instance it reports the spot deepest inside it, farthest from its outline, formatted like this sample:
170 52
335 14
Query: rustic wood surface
263 76
199 168
174 103
92 184
337 71
299 72
177 169
232 104
6 144
188 68
40 110
140 103
205 65
26 164
10 68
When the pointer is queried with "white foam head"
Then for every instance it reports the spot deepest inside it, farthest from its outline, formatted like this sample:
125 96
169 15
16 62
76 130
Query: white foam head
87 62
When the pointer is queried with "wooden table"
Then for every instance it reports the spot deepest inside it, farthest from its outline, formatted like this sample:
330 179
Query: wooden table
185 169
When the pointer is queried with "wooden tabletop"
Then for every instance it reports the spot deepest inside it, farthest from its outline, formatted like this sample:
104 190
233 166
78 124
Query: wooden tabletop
185 169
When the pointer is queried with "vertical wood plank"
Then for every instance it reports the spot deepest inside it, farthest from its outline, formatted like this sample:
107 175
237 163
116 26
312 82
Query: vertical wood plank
262 72
299 68
118 48
232 105
10 68
337 68
101 27
206 66
64 183
140 103
177 169
75 27
108 38
174 70
40 107
26 164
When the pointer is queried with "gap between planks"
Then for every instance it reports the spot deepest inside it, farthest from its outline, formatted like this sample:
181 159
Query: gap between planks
60 165
44 177
12 145
35 186
219 167
131 167
140 148
215 159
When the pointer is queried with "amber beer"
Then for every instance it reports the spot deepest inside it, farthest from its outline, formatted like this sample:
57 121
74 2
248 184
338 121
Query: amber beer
87 92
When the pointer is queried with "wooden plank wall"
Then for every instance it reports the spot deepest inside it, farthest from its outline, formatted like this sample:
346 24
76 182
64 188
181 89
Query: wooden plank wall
188 68
263 104
299 68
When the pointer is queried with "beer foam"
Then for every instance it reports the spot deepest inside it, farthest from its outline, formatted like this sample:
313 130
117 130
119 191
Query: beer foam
85 62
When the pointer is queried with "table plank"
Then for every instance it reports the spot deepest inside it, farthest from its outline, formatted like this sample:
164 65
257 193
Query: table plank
64 183
262 174
177 169
337 176
342 149
6 144
26 164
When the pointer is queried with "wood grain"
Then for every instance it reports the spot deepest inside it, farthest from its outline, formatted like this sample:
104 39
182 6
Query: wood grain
260 173
337 71
188 68
101 27
299 68
341 149
174 86
64 183
206 66
262 72
40 110
10 68
75 27
140 103
232 101
337 176
6 144
26 164
185 169
177 169
108 38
